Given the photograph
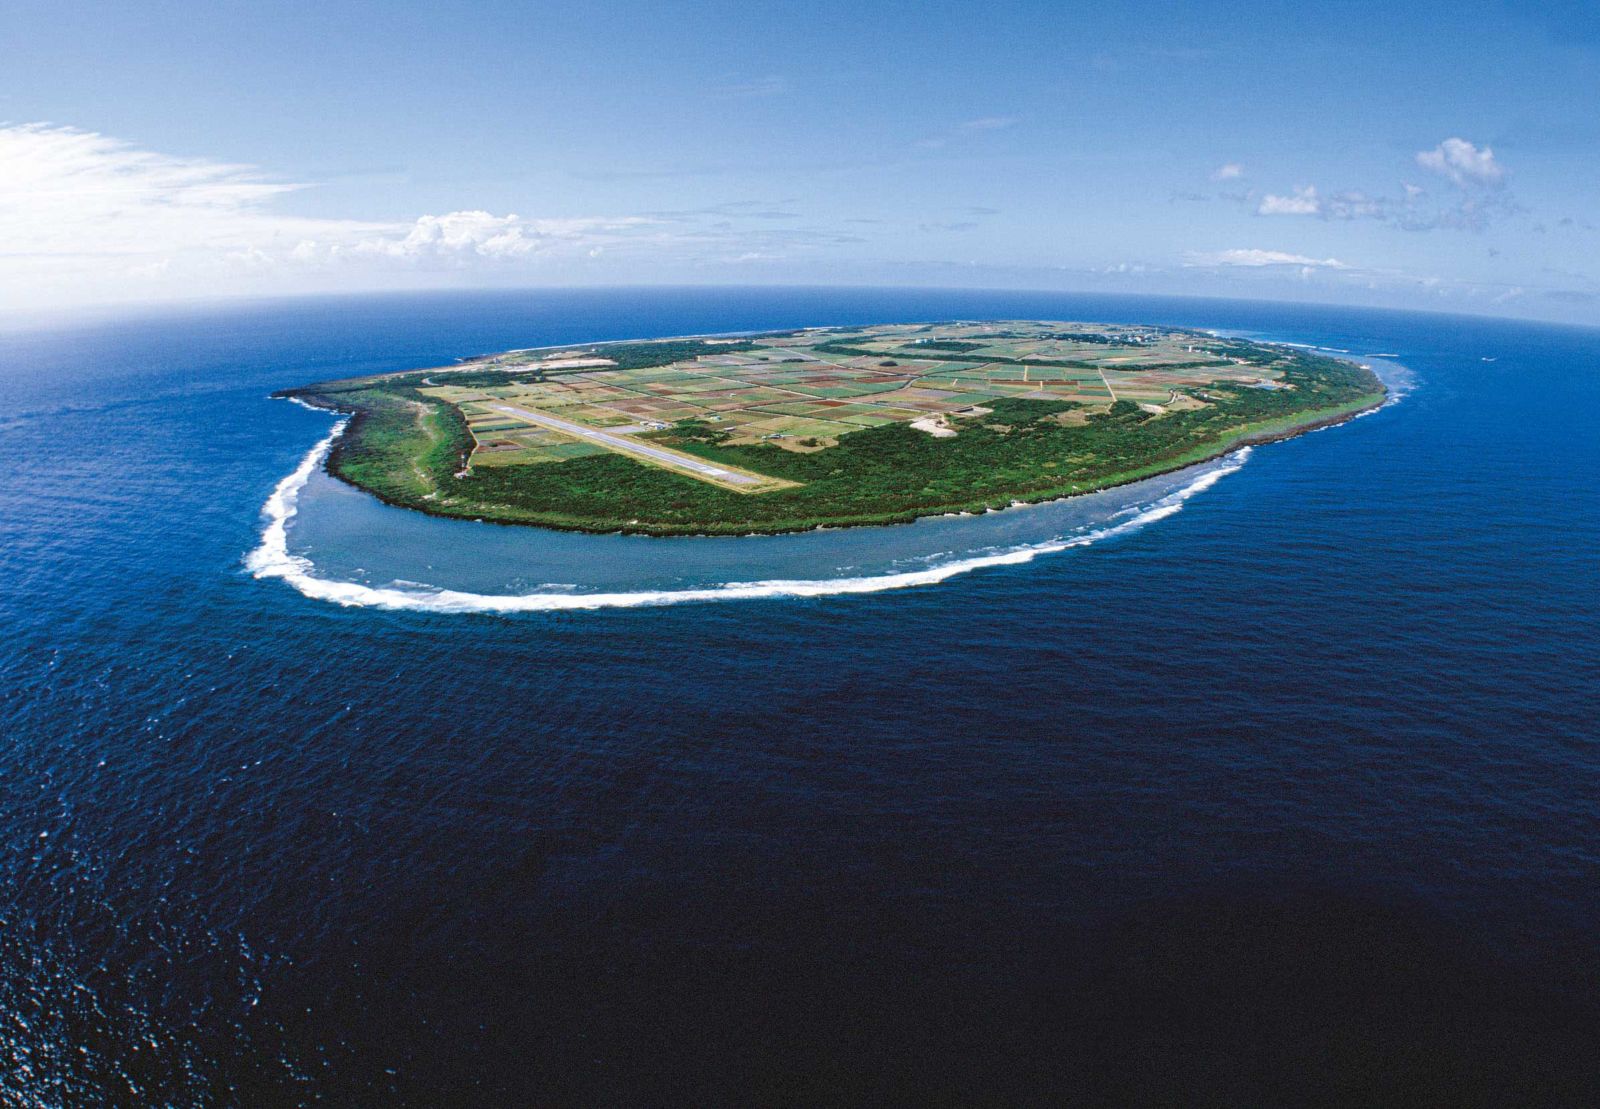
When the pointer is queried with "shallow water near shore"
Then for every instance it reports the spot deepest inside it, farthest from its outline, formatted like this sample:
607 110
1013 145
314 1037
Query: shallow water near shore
334 542
1298 768
345 546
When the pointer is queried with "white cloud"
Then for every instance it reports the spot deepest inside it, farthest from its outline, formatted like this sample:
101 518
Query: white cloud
1307 201
1463 163
1253 258
1355 204
478 234
1229 171
1303 202
1478 200
86 217
65 191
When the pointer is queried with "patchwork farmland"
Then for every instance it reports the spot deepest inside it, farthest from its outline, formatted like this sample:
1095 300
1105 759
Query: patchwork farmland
804 392
820 427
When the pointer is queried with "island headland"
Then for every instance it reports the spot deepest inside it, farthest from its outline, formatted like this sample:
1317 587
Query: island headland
820 427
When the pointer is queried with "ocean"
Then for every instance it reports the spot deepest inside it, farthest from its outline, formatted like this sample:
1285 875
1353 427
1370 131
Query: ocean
1272 781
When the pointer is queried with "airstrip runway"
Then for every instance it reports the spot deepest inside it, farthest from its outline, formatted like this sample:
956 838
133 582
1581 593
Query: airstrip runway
622 444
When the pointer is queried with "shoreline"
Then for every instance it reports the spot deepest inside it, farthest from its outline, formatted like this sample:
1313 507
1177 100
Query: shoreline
1261 437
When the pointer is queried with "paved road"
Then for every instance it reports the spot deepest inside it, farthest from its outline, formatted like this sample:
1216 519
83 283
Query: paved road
623 445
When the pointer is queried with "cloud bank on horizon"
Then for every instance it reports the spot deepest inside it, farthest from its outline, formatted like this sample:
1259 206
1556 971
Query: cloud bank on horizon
85 216
766 171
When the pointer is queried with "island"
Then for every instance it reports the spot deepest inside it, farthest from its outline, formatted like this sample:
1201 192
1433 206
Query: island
820 427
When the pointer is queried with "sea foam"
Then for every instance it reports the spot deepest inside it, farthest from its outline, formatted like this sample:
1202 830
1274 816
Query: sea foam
272 559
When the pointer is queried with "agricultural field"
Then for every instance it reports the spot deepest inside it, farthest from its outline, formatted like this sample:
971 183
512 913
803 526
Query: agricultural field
773 432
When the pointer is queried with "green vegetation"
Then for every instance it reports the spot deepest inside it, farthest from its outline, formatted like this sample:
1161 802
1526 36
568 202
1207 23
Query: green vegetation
661 352
947 344
442 441
401 445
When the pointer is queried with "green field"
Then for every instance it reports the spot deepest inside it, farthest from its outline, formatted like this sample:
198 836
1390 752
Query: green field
833 426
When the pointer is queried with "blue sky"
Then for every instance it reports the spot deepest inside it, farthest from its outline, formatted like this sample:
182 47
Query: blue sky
1414 155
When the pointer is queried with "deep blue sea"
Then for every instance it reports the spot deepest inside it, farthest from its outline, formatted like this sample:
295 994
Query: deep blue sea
1273 782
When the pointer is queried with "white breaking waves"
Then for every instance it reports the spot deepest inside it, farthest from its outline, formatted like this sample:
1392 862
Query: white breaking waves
273 559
